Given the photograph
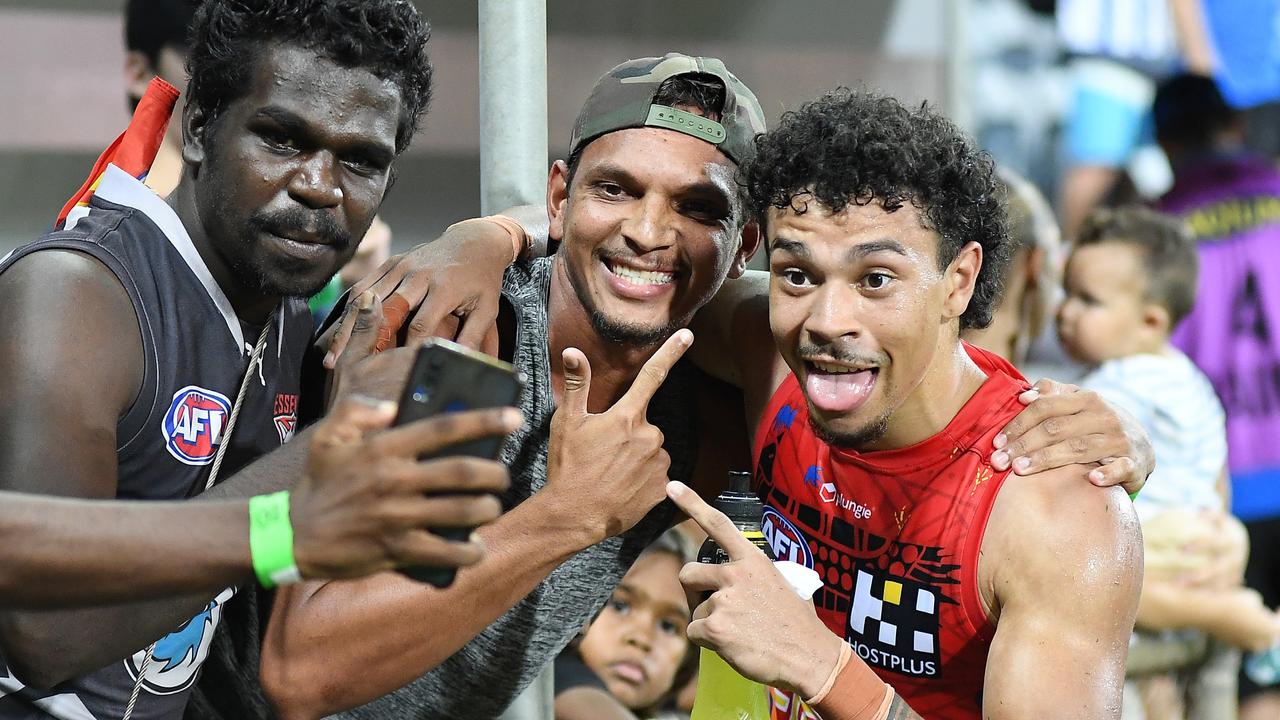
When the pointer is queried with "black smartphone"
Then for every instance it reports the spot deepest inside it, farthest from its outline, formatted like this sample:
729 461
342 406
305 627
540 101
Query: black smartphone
447 377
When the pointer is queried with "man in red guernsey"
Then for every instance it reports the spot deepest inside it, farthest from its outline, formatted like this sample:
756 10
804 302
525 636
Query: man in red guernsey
968 595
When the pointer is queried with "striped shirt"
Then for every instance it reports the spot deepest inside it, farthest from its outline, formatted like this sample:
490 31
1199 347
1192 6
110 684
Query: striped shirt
1137 31
1177 407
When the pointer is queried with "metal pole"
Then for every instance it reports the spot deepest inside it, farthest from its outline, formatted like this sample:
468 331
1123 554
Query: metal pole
513 103
959 54
513 166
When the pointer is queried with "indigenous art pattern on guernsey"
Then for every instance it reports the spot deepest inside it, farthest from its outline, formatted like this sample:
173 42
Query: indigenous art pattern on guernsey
895 537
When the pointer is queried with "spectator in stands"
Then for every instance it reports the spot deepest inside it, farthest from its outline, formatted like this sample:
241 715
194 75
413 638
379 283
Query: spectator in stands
1032 279
1130 279
155 38
634 656
1230 200
1119 52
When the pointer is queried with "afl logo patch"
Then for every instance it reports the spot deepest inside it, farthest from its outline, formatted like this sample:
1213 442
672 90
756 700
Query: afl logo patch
193 426
784 539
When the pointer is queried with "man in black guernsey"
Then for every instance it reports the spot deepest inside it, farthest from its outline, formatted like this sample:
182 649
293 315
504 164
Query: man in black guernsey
155 347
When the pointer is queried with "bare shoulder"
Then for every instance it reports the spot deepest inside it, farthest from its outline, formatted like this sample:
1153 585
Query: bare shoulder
1055 527
64 278
60 306
1061 503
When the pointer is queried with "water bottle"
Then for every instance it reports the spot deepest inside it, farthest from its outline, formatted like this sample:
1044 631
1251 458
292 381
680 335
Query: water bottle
744 509
722 692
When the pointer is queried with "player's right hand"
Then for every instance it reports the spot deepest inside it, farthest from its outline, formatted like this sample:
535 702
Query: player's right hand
610 467
365 501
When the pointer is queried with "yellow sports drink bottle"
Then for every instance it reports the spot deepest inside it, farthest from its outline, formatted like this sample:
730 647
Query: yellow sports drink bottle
723 694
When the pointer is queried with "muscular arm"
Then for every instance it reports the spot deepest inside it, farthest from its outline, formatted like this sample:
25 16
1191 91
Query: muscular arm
1061 566
57 552
58 437
332 646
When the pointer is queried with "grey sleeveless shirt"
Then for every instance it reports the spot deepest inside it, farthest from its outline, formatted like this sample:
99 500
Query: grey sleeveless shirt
482 678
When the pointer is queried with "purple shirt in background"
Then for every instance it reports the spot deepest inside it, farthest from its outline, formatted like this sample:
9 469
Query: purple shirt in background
1233 206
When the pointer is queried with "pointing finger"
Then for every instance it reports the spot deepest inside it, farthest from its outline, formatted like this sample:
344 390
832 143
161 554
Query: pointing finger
655 372
713 522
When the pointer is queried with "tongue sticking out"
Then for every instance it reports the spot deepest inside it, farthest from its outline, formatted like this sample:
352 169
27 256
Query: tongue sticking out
838 392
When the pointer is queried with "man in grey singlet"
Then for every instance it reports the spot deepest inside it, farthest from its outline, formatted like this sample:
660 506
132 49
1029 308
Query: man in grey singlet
579 511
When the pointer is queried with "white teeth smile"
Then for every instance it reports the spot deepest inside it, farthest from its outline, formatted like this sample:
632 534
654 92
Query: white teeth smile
641 277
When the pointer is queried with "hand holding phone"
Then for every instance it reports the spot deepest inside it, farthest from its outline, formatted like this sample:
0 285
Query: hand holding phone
447 377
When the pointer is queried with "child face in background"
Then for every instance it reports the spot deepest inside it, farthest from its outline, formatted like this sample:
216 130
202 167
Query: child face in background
1102 315
637 643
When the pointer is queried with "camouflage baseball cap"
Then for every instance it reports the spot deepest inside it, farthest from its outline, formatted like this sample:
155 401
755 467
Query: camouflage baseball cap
623 98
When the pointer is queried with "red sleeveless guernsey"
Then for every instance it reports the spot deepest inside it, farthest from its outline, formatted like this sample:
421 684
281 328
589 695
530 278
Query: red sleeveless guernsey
895 536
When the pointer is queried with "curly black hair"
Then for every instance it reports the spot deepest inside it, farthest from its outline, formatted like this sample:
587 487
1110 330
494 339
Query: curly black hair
858 147
386 37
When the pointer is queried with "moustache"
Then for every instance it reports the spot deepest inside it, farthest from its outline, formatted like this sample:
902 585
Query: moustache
841 355
298 221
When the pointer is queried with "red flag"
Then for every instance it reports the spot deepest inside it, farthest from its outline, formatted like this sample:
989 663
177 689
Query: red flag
136 148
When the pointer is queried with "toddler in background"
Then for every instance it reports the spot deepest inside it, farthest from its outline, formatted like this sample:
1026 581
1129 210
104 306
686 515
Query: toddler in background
634 656
1130 278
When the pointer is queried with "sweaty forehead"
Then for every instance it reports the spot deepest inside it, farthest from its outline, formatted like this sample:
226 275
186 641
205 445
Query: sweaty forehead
321 91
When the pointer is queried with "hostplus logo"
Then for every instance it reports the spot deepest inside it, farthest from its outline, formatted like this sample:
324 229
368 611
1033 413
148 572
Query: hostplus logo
893 624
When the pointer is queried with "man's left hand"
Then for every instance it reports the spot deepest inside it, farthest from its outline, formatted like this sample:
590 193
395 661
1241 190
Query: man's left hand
753 619
1066 425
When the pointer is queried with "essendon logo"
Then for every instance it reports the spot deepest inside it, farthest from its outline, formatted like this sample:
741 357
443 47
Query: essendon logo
286 416
784 539
193 426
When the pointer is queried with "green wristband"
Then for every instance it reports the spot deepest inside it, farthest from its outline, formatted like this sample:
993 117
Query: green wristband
271 540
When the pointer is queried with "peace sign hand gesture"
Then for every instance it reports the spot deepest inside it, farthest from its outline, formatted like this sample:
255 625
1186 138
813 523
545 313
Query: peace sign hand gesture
610 467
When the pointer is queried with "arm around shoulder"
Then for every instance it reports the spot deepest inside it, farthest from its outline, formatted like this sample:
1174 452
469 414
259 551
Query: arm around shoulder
1061 564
